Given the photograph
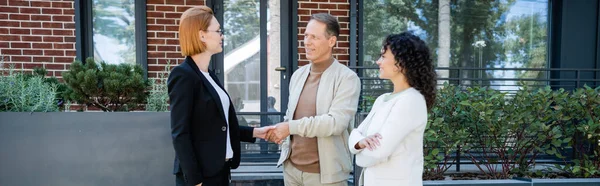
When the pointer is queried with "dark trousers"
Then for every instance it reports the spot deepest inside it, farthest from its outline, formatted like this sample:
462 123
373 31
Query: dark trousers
221 179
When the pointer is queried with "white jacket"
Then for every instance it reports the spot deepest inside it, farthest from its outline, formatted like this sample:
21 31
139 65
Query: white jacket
401 123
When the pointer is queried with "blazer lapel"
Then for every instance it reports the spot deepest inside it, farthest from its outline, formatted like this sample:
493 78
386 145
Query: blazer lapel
207 85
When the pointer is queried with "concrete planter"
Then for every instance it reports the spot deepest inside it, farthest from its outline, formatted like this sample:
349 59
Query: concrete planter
86 148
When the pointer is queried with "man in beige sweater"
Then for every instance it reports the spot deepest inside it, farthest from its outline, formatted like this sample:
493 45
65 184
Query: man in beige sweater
322 102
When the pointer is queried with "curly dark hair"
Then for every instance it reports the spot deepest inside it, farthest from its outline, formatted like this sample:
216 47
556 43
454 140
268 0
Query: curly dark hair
414 58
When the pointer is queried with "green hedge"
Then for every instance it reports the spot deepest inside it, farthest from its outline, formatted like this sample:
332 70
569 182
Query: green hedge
503 135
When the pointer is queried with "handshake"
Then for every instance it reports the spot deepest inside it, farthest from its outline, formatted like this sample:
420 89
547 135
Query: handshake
274 133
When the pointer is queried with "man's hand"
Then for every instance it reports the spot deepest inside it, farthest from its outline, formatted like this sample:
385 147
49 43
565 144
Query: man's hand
371 142
199 184
281 131
262 132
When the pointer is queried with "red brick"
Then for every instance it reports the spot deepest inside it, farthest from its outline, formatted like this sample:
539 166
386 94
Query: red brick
10 38
53 39
150 21
151 48
165 8
302 24
343 19
173 55
172 28
343 6
69 25
22 58
304 18
156 41
58 74
340 51
51 11
63 32
30 10
42 45
3 30
41 18
167 48
327 6
3 2
32 38
3 44
52 25
64 60
9 24
32 52
62 4
339 13
69 39
308 5
18 17
345 32
62 18
41 4
318 11
55 66
303 12
9 9
155 1
339 1
155 14
343 57
42 59
343 44
319 1
195 2
172 42
155 27
63 46
149 7
31 24
165 21
20 31
172 15
182 8
3 16
10 52
156 54
165 34
343 38
18 3
41 32
54 53
69 12
70 52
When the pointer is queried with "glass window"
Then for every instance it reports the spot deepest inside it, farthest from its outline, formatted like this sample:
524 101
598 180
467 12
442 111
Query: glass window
114 31
476 34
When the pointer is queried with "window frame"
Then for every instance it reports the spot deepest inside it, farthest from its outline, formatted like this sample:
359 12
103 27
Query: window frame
84 36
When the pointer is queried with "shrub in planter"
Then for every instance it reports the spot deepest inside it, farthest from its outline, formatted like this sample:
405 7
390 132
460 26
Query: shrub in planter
158 99
584 107
22 93
444 132
535 119
109 87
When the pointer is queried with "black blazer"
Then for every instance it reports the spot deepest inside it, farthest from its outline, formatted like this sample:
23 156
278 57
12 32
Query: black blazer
198 124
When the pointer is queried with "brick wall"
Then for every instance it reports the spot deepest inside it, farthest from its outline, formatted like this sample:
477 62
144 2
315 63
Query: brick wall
37 34
163 20
338 8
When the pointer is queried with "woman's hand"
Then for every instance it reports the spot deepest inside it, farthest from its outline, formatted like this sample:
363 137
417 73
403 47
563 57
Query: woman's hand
370 142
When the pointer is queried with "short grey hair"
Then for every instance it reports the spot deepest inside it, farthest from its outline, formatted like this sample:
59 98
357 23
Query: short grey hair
333 27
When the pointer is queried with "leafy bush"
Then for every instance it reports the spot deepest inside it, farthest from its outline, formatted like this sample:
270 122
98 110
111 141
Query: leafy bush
26 93
158 99
109 87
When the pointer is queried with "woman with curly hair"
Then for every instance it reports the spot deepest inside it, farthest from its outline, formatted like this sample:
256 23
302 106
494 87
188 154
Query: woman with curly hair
389 143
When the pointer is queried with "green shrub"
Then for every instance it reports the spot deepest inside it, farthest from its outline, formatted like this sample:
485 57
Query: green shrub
23 93
158 99
108 87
